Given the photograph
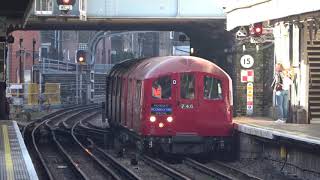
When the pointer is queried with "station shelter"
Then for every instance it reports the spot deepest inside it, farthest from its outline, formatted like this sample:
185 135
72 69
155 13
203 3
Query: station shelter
294 26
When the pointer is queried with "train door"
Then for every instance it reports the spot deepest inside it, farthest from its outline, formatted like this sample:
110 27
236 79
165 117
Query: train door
137 106
187 104
212 116
124 101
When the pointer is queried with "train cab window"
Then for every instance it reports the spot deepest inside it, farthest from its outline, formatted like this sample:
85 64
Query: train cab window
187 86
212 88
161 88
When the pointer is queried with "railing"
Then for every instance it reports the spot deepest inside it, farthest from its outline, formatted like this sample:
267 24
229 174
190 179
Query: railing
47 65
28 94
51 65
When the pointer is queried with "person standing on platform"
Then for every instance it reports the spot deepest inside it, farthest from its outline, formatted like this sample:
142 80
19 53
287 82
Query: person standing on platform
281 85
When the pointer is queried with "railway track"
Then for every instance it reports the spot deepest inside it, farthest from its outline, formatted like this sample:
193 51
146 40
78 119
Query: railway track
69 148
38 139
187 170
145 169
86 164
56 151
223 170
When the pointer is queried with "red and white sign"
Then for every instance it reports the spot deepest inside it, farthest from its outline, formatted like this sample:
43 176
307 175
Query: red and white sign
247 75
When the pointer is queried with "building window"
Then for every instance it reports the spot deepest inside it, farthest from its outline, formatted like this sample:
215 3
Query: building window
161 88
212 88
187 86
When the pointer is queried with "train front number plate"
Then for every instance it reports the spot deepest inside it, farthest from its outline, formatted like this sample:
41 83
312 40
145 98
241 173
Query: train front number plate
186 106
65 7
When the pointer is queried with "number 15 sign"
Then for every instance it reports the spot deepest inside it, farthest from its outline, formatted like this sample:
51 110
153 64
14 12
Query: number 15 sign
247 61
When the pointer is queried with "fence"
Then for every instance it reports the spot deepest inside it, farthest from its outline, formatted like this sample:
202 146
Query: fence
29 94
55 66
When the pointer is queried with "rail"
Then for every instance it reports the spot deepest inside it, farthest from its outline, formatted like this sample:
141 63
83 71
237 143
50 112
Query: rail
220 170
164 169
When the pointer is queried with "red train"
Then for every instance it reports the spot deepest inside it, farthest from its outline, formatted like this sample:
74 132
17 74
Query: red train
176 104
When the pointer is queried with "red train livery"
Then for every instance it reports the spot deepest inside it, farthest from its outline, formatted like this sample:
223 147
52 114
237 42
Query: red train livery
176 104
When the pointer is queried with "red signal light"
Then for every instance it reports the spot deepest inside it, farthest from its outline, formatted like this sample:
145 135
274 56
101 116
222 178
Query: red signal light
256 29
66 2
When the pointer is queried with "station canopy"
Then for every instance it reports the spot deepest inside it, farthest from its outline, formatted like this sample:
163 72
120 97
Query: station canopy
246 12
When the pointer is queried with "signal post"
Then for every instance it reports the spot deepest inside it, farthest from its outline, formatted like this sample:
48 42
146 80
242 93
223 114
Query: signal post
81 60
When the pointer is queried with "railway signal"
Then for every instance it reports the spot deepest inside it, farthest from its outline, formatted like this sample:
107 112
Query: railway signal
81 57
256 29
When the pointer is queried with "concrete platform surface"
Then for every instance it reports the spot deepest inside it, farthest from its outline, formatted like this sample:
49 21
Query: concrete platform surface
15 162
268 128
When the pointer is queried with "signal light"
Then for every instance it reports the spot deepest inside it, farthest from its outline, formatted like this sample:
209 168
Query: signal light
256 29
66 2
81 56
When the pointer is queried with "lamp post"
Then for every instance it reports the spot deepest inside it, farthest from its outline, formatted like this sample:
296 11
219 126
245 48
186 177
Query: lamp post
33 49
20 61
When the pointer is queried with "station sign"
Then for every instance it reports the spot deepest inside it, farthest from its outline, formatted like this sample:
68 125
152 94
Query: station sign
246 61
250 98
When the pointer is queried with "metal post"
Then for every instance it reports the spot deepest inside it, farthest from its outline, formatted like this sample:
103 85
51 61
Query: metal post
20 61
33 49
77 89
81 101
7 63
40 70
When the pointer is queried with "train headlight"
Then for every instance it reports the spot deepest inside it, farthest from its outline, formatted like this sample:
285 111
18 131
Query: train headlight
152 119
169 119
161 125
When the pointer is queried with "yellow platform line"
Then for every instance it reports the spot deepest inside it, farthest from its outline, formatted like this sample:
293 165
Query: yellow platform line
7 151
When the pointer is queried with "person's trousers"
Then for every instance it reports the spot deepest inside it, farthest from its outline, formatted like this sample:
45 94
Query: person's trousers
282 100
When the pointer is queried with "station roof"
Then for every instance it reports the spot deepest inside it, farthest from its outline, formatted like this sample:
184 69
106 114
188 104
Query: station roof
14 9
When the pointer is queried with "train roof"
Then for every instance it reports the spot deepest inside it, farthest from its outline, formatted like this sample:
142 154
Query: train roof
157 66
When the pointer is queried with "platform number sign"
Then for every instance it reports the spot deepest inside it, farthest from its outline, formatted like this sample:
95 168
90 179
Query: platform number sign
247 61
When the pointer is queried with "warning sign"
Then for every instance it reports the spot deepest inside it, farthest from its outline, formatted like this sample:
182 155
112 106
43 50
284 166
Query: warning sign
250 98
247 75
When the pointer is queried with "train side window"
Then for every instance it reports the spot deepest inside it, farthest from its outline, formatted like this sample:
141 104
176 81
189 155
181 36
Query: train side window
161 88
212 88
187 86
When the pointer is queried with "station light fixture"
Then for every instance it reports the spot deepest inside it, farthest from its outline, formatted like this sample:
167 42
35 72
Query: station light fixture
152 119
81 56
256 29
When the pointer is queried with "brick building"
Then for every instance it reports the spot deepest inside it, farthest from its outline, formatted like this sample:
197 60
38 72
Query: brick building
26 55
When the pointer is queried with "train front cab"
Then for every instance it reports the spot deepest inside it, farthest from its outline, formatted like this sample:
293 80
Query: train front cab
191 115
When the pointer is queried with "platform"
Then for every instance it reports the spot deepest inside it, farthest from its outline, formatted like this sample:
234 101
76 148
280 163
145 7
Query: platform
268 128
15 162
